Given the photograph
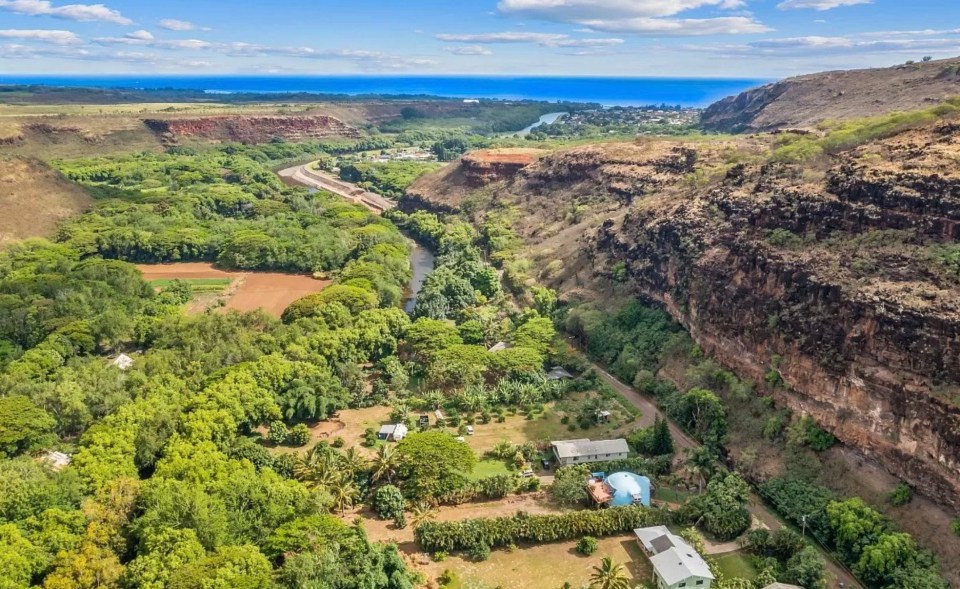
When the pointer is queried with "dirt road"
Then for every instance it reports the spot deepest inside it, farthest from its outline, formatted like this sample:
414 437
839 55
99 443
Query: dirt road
838 575
311 178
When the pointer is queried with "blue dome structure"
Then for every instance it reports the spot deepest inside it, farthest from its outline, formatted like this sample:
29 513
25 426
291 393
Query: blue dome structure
629 488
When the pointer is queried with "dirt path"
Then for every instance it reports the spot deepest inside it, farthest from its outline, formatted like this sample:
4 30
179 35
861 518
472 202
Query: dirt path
839 575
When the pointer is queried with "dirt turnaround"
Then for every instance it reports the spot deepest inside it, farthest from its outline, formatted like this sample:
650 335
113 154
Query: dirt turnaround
271 291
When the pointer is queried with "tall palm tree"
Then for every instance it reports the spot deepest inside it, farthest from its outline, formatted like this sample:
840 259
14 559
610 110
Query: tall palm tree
344 491
421 513
353 461
317 468
702 462
385 464
609 575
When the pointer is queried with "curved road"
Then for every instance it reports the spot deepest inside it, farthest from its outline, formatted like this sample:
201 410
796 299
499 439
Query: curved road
839 575
306 176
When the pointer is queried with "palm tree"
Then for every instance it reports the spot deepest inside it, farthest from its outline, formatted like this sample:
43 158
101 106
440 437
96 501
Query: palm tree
344 491
385 464
702 462
317 468
609 575
353 461
421 513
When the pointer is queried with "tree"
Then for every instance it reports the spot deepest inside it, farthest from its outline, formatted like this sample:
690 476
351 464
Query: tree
89 567
345 492
880 561
230 566
722 508
609 575
855 526
433 462
701 412
298 435
702 462
587 545
385 464
807 569
389 502
161 555
426 337
537 334
421 513
661 442
22 425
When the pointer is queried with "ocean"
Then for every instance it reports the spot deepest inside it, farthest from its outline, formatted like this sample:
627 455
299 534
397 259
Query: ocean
606 91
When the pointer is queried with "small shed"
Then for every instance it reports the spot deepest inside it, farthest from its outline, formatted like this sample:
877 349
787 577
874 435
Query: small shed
123 362
57 460
424 421
558 373
499 347
392 432
603 416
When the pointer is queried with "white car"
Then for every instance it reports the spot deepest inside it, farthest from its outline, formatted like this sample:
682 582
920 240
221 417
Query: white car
469 430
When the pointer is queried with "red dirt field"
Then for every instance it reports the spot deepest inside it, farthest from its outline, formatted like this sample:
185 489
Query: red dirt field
271 291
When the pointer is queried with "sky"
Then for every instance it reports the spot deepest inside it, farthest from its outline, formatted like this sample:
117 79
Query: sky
646 38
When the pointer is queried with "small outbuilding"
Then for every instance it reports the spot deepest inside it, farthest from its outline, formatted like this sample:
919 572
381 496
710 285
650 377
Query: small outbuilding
392 433
499 347
57 460
123 362
559 373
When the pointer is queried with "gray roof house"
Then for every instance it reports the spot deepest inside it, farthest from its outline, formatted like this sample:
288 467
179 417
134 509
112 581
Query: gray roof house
676 565
558 373
583 451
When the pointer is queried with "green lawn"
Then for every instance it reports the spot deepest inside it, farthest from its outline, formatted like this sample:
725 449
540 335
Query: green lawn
488 468
199 285
736 565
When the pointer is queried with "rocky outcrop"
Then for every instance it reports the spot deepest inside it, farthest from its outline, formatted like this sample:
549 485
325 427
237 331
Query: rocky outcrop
485 167
805 101
251 129
839 281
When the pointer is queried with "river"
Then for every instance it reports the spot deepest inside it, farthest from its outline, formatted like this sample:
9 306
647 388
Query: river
547 119
421 258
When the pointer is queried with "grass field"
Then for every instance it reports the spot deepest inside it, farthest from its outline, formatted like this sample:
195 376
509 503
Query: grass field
199 285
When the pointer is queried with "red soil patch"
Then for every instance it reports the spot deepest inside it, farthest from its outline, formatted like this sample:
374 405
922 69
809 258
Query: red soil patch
271 291
518 156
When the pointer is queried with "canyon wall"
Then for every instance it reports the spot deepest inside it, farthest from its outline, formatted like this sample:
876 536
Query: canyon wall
251 129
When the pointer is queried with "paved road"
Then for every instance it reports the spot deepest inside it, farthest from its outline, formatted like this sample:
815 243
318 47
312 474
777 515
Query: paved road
838 573
306 176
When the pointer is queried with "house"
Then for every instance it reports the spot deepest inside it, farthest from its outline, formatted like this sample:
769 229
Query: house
676 565
123 362
558 373
499 347
392 433
583 451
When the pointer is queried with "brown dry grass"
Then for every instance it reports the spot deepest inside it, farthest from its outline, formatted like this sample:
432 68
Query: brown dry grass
34 199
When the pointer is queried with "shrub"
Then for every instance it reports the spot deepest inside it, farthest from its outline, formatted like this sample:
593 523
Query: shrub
955 526
901 495
465 534
369 438
479 551
587 545
278 432
388 502
338 442
440 556
299 435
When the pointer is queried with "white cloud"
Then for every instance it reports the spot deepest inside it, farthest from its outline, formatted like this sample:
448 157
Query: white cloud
681 27
819 4
140 35
890 42
639 17
579 10
43 36
543 39
467 50
172 24
78 12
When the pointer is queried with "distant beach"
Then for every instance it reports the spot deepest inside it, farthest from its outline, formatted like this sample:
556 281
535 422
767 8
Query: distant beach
606 91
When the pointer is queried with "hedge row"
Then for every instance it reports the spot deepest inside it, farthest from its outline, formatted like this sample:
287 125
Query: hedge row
537 529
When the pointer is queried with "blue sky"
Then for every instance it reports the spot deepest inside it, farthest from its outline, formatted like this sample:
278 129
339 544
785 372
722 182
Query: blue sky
672 38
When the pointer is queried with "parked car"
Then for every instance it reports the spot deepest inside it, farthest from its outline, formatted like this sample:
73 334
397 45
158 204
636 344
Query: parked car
469 430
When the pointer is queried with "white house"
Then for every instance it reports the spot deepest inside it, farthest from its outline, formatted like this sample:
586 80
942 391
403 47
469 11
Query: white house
393 433
583 451
676 565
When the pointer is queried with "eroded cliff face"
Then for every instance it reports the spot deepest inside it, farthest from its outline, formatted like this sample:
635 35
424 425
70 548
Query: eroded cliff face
836 277
251 129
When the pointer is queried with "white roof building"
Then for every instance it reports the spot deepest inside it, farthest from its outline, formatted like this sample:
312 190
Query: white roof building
393 432
123 362
57 460
583 451
675 563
